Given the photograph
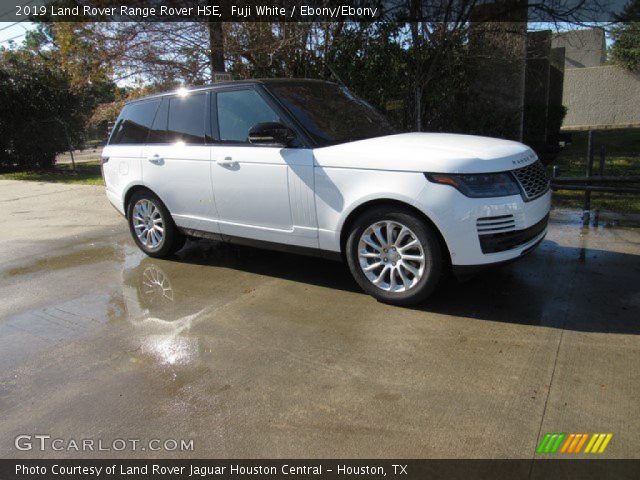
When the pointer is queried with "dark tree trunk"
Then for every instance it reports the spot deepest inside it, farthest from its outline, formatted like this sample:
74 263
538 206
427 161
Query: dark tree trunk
416 39
216 47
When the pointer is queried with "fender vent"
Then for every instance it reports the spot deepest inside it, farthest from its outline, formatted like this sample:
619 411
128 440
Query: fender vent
497 224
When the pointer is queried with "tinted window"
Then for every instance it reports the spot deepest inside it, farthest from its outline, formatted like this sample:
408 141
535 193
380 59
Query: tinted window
158 132
330 113
186 119
133 125
238 111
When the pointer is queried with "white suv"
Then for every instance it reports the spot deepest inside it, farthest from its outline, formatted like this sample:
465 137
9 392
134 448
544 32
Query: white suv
306 166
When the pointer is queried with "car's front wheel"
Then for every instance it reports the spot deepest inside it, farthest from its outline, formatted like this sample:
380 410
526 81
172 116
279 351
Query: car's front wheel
151 225
394 255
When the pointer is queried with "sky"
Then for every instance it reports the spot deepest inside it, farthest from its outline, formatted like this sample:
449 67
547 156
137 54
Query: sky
17 31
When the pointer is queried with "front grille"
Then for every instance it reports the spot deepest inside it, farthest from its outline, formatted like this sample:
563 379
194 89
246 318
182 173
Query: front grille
499 242
533 180
499 223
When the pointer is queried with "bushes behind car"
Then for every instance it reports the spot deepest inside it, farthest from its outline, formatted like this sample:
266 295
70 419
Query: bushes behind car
37 104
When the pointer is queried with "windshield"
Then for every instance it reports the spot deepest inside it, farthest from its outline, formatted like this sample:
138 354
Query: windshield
330 113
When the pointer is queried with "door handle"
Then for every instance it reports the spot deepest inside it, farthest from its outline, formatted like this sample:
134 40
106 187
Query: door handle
226 161
156 159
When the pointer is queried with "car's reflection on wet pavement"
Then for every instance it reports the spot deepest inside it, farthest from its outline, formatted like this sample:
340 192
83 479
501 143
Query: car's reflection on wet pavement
150 306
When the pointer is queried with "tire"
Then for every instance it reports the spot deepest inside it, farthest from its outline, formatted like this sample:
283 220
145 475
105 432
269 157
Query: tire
406 288
152 211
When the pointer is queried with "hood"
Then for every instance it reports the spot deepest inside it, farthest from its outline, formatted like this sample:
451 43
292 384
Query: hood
428 152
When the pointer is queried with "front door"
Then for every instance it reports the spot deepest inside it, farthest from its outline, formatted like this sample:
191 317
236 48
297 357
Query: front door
261 192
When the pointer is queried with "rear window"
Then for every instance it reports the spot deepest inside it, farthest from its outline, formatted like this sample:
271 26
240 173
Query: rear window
186 119
159 128
134 123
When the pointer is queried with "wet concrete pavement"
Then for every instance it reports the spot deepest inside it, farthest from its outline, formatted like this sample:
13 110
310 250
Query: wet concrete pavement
260 354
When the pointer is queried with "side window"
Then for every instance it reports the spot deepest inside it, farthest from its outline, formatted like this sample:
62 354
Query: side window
238 111
158 132
186 119
132 127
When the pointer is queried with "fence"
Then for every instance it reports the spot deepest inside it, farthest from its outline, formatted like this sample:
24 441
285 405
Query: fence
595 183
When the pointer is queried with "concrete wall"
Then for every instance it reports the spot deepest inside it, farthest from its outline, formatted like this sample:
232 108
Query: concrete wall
556 83
601 97
536 90
583 48
498 50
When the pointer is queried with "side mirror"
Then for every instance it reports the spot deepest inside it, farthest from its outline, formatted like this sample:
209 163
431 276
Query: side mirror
271 133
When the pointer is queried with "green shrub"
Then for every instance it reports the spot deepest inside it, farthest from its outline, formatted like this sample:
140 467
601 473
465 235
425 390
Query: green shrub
37 101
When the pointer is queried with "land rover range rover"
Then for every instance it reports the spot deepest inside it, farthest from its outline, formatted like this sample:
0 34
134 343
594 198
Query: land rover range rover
305 165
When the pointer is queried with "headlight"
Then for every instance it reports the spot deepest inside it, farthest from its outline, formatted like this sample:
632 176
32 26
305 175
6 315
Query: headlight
478 185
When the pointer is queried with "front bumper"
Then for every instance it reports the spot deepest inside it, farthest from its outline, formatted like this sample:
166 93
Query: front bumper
485 231
462 272
504 241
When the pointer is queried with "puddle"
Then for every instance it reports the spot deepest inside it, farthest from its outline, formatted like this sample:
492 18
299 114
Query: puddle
87 255
149 306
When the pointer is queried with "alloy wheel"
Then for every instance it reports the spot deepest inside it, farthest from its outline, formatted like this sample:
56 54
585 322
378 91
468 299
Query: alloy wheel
148 223
391 256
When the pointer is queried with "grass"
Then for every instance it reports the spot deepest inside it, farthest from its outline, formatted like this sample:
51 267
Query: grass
94 143
622 158
87 173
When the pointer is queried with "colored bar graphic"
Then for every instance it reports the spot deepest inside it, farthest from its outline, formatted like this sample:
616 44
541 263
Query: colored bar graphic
572 443
596 446
558 441
543 443
572 448
591 442
607 439
551 442
567 442
584 439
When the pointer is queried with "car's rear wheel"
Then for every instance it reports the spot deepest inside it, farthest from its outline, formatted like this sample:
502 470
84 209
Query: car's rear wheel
151 225
394 255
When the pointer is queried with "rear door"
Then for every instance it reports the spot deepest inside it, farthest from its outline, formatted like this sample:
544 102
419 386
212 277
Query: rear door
176 160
